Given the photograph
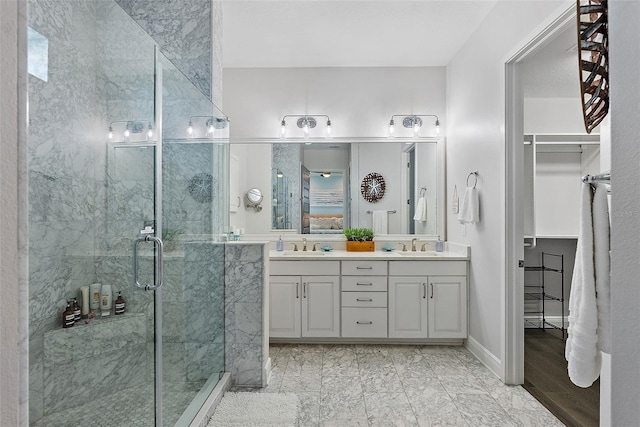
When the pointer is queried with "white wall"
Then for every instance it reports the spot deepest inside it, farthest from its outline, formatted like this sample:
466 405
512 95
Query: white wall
624 20
553 115
11 128
475 141
359 101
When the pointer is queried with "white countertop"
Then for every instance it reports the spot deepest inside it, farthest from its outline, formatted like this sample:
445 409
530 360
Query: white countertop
379 255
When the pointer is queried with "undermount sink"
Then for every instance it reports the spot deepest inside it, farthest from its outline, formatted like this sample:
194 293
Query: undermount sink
302 253
417 253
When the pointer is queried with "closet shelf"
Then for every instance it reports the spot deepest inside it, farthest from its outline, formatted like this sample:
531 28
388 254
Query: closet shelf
542 268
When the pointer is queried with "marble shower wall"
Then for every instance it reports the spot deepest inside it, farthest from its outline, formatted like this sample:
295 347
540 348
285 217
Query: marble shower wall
182 29
287 158
246 319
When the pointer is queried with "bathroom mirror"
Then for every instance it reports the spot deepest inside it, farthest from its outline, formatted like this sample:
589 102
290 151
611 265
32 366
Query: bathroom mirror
410 167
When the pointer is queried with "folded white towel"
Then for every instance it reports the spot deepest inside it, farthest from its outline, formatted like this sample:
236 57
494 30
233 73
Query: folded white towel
380 222
602 262
421 210
470 208
581 351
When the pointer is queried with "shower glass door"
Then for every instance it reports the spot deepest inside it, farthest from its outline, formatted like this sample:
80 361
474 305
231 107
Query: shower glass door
104 172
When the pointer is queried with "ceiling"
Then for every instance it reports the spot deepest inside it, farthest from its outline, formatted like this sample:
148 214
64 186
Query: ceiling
347 33
552 72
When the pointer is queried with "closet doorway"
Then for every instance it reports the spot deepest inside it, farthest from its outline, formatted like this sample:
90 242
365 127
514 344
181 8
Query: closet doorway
555 153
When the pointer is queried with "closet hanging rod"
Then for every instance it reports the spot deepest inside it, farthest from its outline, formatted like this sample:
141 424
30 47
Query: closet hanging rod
393 211
588 179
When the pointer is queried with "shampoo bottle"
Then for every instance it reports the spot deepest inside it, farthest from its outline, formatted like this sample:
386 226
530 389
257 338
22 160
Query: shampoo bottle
94 297
67 316
280 244
76 309
105 300
84 291
119 304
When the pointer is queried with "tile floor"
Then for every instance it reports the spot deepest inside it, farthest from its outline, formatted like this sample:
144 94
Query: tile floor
364 385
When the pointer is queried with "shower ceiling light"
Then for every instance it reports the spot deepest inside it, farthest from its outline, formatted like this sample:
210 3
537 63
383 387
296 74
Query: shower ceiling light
306 123
413 121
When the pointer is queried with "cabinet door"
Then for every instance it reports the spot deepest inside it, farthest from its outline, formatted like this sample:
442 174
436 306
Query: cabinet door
284 306
447 306
320 306
407 307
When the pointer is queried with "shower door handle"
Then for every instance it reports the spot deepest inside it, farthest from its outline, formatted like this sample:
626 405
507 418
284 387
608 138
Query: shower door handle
159 267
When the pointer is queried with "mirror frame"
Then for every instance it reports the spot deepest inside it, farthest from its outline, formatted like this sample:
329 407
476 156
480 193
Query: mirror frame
403 211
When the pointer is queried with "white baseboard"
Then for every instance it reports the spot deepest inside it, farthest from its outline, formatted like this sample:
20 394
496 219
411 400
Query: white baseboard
487 358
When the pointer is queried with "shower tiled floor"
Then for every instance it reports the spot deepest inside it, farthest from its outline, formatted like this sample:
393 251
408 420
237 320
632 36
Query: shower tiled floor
132 407
360 385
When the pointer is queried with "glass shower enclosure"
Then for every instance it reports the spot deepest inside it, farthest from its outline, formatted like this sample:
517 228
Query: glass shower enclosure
127 169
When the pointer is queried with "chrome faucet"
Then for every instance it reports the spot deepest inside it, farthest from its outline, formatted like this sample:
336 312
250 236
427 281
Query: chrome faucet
314 246
413 244
404 247
295 247
304 244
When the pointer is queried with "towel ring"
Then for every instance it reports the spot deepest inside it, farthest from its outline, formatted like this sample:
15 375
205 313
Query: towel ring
423 191
475 175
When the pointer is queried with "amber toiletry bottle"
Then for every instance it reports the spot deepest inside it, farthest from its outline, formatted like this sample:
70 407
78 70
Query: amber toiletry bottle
67 316
76 309
119 304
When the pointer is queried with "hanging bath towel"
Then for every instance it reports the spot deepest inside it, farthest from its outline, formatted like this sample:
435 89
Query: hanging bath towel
602 263
380 222
421 210
581 351
470 207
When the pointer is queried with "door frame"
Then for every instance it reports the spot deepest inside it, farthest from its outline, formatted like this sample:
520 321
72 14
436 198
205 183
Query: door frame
513 348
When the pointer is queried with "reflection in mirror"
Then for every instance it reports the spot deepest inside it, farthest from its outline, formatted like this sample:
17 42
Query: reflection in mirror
334 200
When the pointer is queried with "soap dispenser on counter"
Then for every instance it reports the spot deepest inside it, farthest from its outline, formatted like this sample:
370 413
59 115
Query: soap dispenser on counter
439 245
280 244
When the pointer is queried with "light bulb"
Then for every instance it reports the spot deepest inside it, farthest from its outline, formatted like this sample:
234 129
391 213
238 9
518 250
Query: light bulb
437 127
416 127
391 127
110 134
150 132
190 129
211 129
305 129
127 133
328 127
283 129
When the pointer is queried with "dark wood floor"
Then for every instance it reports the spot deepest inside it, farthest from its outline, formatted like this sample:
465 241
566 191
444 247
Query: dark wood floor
546 378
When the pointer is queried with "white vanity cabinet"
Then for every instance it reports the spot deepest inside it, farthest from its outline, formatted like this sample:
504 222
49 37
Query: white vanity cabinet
304 305
427 299
364 299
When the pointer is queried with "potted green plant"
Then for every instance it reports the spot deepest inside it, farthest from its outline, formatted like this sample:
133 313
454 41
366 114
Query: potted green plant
359 239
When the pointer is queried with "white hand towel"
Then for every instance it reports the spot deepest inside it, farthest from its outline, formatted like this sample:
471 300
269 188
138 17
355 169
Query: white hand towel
380 222
470 209
602 266
581 351
421 210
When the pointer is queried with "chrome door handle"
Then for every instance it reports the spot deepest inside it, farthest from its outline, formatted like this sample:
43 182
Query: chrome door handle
364 299
159 267
431 290
364 323
364 284
304 290
364 268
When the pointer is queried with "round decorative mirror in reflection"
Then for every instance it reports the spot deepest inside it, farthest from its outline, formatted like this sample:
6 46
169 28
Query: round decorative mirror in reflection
253 198
201 187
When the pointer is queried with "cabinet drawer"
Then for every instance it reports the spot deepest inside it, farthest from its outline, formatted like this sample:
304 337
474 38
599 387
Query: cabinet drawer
366 283
427 268
364 299
300 268
364 268
364 322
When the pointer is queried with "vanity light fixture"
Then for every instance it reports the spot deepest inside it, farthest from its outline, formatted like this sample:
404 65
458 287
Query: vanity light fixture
130 127
279 173
414 122
211 124
306 123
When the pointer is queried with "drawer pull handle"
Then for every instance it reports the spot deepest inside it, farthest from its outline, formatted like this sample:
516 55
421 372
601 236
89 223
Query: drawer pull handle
364 284
364 323
424 290
364 299
304 290
364 268
431 290
297 290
